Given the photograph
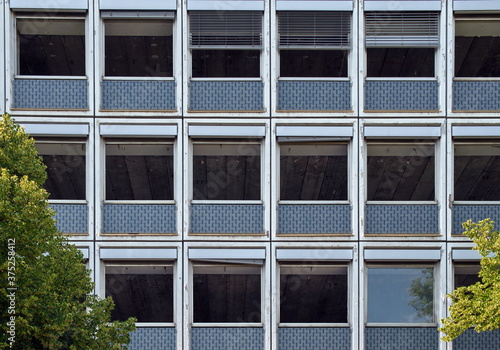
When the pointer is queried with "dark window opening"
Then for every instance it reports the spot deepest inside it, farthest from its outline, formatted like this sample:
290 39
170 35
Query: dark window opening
143 292
313 294
313 63
313 172
136 48
66 169
466 275
139 171
223 294
400 62
400 172
226 63
51 46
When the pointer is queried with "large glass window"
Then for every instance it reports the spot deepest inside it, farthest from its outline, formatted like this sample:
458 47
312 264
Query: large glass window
225 44
227 171
314 43
401 44
141 291
313 293
477 46
51 46
477 171
313 171
65 161
401 294
227 293
138 47
401 171
139 170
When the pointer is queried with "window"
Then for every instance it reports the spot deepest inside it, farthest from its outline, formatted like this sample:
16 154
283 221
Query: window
314 43
225 44
401 294
139 47
401 171
477 46
52 46
477 171
65 161
139 170
313 171
226 293
227 170
401 44
313 293
466 275
141 291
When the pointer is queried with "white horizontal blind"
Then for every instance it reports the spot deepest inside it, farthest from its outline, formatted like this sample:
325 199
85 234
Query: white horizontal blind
402 29
318 29
225 29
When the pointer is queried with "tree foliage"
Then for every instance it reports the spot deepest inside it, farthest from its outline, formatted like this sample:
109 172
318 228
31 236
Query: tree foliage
45 284
478 306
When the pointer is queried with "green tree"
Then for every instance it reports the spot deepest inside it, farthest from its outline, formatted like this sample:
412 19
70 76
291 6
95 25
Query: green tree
477 306
46 296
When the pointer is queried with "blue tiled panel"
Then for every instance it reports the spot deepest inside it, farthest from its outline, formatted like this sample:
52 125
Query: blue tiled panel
152 339
314 95
71 218
471 340
401 95
227 339
50 93
139 218
402 219
476 96
227 218
402 339
138 95
462 213
314 219
314 338
226 96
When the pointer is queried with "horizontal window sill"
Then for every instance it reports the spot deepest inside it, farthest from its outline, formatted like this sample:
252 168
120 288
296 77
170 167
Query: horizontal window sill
314 325
138 78
408 202
226 79
317 79
476 202
50 77
155 325
312 202
138 202
227 325
368 79
477 79
401 325
227 202
68 201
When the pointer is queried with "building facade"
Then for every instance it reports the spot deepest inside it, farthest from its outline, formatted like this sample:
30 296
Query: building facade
266 174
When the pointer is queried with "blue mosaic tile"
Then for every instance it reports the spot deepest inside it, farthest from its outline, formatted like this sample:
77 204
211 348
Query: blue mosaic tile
402 338
314 338
402 219
462 213
471 340
227 338
227 218
476 96
50 94
138 95
314 95
401 95
315 219
71 218
139 218
226 96
152 339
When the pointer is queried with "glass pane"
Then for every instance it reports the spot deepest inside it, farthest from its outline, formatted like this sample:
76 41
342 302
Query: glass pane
477 172
466 275
226 63
51 46
226 171
65 164
398 172
313 294
144 292
138 48
400 62
313 63
400 295
139 171
313 172
227 294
